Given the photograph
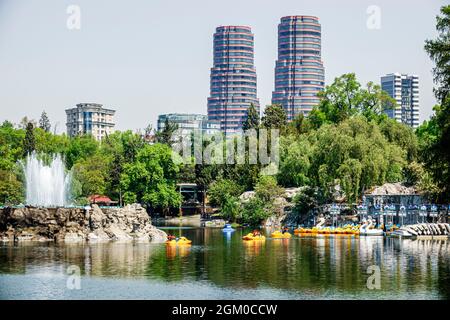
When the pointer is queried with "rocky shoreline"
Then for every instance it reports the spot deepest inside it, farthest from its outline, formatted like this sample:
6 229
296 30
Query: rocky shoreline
130 223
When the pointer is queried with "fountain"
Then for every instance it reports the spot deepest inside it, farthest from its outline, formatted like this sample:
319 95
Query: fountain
46 185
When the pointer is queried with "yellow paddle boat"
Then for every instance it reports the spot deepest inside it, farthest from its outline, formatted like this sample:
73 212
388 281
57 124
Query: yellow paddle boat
251 237
280 235
181 241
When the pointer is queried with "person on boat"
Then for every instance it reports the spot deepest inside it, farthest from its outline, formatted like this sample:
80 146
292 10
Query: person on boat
284 230
256 233
171 237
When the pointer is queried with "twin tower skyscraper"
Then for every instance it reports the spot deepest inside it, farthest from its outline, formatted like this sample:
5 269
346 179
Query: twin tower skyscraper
299 71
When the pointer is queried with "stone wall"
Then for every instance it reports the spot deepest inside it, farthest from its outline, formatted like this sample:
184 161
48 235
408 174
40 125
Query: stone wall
72 224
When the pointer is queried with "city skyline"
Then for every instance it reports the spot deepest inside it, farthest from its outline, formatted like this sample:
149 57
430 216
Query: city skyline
52 68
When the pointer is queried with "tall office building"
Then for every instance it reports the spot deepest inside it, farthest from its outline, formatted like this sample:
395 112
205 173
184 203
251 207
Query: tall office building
299 71
233 78
90 118
405 90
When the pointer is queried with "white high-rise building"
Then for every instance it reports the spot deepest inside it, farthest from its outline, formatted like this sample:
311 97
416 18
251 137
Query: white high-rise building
90 118
405 90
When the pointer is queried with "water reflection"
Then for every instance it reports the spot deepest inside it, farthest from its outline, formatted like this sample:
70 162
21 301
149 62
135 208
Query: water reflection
334 266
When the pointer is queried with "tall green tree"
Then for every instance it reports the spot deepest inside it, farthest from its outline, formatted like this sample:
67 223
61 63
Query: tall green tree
29 143
44 122
274 117
252 119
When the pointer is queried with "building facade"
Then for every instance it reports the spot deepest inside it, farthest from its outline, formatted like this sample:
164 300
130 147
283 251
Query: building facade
299 71
90 118
233 78
405 90
188 122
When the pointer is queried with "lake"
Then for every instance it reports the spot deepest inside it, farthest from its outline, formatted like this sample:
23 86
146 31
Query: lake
222 266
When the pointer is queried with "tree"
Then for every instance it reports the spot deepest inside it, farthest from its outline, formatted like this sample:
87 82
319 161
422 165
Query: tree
267 189
435 135
80 147
439 52
304 201
261 205
274 117
223 189
92 173
11 189
164 136
299 125
11 145
345 98
354 155
25 121
252 119
29 143
151 178
231 209
295 161
44 122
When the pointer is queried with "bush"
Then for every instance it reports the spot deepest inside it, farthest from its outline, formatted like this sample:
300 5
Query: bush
222 190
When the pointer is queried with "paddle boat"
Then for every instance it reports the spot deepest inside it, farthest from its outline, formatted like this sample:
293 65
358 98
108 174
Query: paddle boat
368 229
252 237
280 235
228 228
179 241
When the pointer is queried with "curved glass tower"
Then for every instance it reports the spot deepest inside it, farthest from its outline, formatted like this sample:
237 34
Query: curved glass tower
299 71
233 78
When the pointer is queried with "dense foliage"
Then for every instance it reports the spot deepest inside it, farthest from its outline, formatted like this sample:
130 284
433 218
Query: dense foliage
434 134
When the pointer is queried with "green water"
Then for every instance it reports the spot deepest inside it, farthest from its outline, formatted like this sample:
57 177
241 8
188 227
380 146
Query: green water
222 266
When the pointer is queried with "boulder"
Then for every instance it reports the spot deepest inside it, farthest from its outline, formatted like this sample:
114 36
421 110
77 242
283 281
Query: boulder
76 225
118 234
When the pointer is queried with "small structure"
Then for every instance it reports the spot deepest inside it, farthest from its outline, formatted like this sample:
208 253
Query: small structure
393 203
101 200
192 199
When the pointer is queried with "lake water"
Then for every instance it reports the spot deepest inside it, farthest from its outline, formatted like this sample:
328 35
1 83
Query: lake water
222 266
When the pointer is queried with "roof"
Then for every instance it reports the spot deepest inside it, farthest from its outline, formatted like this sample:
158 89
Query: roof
99 198
392 189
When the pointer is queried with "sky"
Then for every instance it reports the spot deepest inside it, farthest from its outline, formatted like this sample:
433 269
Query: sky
147 57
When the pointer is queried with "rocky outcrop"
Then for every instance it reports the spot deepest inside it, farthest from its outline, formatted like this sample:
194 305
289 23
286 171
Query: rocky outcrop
74 225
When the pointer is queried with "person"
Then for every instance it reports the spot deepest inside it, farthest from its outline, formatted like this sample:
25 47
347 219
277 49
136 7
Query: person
171 237
285 229
256 233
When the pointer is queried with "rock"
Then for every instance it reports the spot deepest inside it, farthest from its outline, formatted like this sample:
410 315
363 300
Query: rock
246 196
118 234
73 237
97 218
98 235
75 225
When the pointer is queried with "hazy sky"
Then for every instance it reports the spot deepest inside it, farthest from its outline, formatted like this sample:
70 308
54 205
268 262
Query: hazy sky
146 57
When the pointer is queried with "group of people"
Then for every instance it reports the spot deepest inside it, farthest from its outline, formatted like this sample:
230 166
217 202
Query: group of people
257 233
